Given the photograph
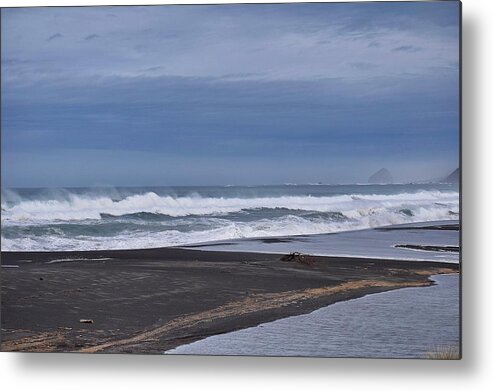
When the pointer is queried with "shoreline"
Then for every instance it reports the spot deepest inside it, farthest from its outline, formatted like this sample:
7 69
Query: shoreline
401 323
152 300
259 242
437 241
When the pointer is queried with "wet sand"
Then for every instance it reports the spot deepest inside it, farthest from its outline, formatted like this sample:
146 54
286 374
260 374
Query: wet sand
149 301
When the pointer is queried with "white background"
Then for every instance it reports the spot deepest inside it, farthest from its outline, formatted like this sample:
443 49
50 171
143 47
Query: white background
23 371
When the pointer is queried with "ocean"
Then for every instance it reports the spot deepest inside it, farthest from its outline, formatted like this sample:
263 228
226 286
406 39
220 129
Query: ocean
56 219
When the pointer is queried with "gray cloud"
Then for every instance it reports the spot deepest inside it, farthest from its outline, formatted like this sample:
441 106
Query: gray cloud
54 36
178 85
272 42
90 37
362 65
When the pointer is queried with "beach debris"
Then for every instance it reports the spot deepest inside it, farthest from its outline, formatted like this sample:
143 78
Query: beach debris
86 321
298 257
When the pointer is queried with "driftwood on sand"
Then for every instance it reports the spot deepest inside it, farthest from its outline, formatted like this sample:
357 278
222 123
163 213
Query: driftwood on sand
298 257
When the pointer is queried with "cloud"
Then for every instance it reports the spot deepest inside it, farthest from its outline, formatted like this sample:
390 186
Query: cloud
54 36
91 37
247 82
362 65
274 42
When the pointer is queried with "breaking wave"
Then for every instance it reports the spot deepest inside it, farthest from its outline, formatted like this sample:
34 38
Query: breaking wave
78 207
83 222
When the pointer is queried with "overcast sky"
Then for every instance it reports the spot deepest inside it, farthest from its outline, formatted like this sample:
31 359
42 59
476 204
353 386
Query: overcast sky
229 94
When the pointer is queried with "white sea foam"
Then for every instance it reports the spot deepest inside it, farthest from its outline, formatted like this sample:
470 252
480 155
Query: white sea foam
75 222
78 259
220 230
78 207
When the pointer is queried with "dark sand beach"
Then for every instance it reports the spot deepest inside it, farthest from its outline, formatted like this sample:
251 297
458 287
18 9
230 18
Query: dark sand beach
149 301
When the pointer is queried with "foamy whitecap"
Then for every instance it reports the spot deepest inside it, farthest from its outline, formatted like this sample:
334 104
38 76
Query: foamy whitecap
79 207
78 221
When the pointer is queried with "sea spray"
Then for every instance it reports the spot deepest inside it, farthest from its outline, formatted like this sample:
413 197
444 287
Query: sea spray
84 219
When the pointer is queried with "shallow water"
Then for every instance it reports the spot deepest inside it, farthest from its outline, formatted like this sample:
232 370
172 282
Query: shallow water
405 323
368 243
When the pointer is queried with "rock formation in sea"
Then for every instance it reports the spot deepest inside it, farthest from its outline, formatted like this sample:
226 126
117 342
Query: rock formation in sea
454 177
382 176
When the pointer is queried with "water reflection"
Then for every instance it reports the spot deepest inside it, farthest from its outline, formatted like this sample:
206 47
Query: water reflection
405 323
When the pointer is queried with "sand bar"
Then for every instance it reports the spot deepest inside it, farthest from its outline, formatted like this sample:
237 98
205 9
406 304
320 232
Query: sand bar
149 301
